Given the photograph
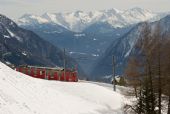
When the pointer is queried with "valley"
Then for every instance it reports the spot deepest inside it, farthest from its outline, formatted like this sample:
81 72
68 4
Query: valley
97 31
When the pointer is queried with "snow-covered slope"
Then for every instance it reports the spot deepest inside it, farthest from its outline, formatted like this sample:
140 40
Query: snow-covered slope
21 94
79 20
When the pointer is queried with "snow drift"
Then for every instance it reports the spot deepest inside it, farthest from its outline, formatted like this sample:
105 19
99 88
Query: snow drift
21 94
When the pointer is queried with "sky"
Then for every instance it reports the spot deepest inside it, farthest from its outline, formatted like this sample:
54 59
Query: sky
16 8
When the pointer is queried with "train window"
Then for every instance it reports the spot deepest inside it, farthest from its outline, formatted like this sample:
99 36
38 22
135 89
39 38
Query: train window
46 72
49 73
41 72
24 70
35 71
32 71
52 74
29 71
20 69
59 73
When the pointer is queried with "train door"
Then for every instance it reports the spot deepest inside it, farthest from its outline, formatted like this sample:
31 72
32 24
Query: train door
20 69
50 75
74 76
32 73
67 77
56 77
43 73
62 77
26 71
40 73
47 77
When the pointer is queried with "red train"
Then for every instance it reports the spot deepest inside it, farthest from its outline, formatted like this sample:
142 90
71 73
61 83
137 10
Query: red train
48 73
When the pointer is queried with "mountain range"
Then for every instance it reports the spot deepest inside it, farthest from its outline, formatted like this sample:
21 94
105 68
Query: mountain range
78 21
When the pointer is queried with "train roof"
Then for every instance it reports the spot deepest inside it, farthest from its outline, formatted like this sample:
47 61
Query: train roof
54 68
50 68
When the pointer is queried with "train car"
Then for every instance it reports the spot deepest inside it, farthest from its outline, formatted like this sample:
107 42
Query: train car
48 73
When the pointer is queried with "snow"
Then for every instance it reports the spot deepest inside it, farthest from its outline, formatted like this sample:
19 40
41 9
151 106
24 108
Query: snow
29 18
14 35
79 35
6 36
52 32
21 94
71 52
128 52
94 39
8 63
127 99
95 55
78 21
131 40
11 33
24 53
40 20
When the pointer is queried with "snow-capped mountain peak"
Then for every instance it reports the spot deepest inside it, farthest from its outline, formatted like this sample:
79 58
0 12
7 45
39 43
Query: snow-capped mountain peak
112 11
79 20
32 19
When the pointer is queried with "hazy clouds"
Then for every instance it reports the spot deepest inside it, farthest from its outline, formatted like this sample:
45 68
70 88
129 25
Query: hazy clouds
15 8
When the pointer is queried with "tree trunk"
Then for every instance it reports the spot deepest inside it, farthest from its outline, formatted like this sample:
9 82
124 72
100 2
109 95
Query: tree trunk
169 106
136 92
151 88
147 96
159 83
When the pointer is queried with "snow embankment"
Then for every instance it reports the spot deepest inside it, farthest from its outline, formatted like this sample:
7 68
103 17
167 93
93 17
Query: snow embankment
21 94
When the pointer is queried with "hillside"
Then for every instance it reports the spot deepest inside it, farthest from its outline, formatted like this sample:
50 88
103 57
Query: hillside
19 46
21 94
124 47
